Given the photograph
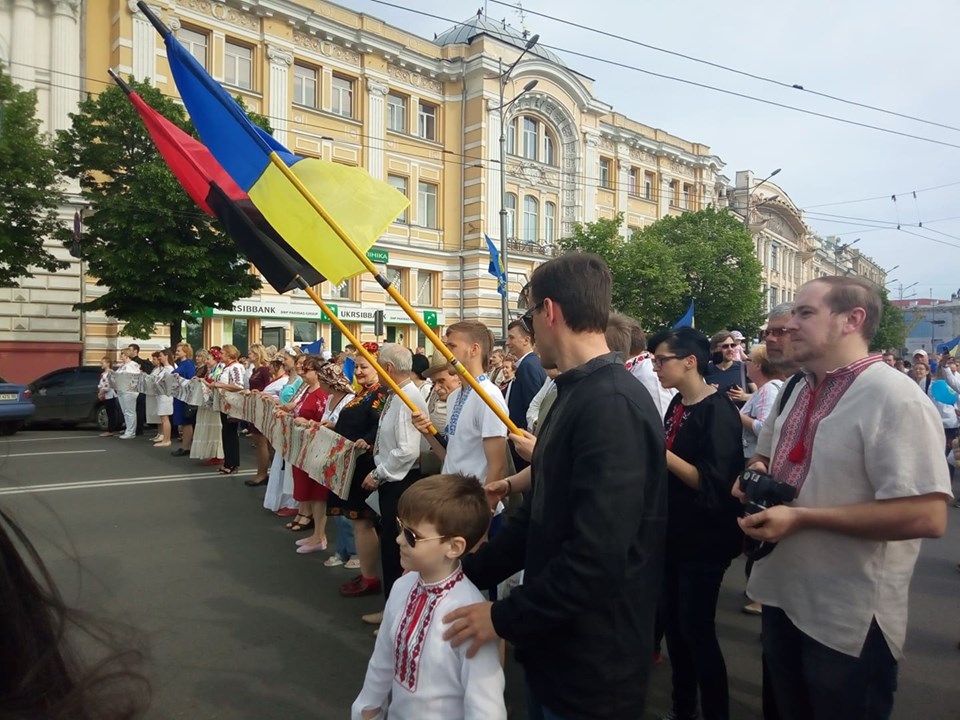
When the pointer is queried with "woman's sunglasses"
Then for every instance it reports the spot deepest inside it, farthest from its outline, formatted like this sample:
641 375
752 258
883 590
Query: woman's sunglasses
411 537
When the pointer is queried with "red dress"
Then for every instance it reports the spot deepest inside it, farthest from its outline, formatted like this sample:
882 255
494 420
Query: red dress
305 489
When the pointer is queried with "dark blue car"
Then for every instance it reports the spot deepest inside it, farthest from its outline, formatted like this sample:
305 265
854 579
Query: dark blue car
15 406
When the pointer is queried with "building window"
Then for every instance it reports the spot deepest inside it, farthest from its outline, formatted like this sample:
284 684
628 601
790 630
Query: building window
238 66
648 181
774 297
398 182
634 182
395 277
342 291
427 205
775 258
686 195
530 138
305 85
425 288
511 137
195 42
674 193
531 219
605 169
511 208
550 222
549 149
396 113
304 331
341 96
427 121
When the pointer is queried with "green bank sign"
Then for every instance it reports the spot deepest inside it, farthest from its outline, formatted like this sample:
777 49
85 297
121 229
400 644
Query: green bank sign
378 256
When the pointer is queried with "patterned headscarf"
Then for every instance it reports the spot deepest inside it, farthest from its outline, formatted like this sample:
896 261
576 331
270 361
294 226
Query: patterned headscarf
332 375
216 353
371 347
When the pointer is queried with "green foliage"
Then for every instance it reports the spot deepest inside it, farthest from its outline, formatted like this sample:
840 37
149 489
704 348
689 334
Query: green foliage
29 188
158 254
892 333
706 255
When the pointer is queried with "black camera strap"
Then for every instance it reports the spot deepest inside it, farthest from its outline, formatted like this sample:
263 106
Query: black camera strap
788 390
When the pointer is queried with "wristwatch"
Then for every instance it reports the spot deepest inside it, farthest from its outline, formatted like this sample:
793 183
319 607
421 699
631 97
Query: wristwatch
376 478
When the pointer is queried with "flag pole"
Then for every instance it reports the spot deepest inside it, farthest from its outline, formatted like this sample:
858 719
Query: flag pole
392 292
421 324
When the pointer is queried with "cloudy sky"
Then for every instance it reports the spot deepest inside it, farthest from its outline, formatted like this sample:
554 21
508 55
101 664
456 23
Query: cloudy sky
886 53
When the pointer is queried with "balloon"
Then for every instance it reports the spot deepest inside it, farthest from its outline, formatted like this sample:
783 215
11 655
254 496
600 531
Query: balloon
942 393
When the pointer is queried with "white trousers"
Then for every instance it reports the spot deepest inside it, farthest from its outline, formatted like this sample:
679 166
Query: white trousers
128 406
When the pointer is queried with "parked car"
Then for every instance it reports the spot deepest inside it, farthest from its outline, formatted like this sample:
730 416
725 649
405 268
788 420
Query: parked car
69 397
15 406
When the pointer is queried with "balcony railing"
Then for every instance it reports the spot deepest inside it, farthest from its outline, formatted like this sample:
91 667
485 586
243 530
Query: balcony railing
533 248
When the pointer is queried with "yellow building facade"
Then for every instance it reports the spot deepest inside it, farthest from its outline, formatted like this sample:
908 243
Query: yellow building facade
423 116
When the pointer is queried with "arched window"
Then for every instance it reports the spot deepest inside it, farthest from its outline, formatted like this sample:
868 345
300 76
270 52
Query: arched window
511 207
531 219
550 223
530 133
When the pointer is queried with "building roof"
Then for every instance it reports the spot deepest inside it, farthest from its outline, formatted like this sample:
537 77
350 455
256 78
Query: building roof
464 33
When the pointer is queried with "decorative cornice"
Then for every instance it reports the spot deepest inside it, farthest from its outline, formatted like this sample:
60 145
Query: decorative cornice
415 79
279 56
377 88
327 48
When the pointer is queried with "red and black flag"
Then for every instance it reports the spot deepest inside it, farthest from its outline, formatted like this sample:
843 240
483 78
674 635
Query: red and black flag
209 185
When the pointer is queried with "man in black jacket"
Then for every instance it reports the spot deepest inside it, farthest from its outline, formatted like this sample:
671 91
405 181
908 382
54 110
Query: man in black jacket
590 533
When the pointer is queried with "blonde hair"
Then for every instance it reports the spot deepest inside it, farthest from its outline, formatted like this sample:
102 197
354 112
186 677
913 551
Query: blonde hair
230 351
187 350
758 355
258 354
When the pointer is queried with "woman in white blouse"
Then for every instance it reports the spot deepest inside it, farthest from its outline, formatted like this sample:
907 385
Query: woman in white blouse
128 399
230 379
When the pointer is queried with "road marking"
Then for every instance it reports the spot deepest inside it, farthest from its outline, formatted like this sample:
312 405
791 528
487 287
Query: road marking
118 482
55 452
45 439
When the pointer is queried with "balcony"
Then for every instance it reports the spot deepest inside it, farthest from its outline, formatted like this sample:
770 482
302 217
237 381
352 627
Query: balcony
543 249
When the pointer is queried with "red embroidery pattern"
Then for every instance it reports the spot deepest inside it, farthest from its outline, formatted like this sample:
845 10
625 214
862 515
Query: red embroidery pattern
413 628
797 431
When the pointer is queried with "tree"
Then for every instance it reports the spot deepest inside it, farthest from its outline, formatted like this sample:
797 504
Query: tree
892 332
29 188
160 256
706 256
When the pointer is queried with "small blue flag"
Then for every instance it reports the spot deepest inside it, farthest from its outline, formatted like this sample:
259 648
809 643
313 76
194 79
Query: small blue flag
496 268
686 320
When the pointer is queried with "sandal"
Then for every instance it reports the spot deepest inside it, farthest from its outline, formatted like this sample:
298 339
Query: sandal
256 482
301 526
228 471
296 521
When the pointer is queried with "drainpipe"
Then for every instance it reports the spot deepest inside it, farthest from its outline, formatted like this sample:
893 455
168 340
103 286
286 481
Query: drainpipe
463 169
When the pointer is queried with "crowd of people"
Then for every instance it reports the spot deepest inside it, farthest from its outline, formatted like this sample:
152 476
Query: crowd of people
641 467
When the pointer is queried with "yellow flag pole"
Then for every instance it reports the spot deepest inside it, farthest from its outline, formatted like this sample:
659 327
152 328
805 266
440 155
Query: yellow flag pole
360 348
392 291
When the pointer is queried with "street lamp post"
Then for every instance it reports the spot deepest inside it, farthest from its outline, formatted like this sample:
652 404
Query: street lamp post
837 251
750 191
503 76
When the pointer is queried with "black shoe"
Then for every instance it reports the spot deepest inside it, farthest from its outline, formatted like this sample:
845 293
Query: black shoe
180 452
253 482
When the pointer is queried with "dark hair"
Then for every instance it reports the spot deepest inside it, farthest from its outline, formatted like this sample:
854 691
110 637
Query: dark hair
134 346
684 342
621 335
456 504
313 362
478 333
580 283
523 328
41 674
718 338
847 293
420 365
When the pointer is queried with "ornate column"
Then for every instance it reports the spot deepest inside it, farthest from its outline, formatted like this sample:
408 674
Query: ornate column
279 88
376 127
492 224
592 173
64 59
145 42
22 43
623 192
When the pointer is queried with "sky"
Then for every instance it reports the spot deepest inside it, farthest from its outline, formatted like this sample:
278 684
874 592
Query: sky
886 53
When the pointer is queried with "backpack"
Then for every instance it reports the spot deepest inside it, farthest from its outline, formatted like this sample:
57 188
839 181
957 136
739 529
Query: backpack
787 390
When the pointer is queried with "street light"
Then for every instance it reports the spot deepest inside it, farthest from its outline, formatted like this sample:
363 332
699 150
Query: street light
503 76
902 288
836 254
746 209
892 282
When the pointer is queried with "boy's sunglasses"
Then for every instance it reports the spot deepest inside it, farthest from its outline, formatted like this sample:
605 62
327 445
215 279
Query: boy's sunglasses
411 537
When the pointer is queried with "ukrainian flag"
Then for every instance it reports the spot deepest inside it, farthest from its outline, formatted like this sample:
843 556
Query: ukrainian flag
361 206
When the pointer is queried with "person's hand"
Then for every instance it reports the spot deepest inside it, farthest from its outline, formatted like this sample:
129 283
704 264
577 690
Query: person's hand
301 421
421 421
737 394
524 444
371 714
496 491
369 482
361 445
736 491
772 524
470 622
328 424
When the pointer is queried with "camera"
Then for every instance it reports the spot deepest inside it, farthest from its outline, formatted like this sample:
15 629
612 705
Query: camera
762 491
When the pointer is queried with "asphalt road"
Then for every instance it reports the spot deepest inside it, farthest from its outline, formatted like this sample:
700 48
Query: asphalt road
240 627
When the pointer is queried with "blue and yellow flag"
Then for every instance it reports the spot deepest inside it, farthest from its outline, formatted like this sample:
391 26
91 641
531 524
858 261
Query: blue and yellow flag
496 267
687 319
362 206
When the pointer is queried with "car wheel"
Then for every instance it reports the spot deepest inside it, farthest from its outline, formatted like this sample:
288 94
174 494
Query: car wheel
9 428
103 418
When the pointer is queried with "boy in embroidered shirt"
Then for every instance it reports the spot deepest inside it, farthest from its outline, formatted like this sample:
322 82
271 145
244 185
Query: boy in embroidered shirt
414 673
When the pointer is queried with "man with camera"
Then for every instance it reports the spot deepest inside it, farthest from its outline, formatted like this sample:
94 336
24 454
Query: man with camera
834 590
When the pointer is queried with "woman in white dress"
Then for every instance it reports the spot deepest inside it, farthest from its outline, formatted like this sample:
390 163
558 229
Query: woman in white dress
164 401
128 399
279 495
206 444
151 399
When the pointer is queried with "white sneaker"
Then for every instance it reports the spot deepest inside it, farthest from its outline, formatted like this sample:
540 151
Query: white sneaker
333 561
352 564
128 437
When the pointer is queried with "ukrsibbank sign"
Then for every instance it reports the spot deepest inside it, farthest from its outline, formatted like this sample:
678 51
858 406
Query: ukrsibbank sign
288 309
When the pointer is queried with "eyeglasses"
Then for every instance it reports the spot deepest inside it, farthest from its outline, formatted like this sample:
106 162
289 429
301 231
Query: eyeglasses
775 332
728 346
411 537
659 360
527 317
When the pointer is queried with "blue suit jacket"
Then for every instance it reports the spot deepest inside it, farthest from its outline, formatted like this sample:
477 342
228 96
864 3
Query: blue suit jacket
527 383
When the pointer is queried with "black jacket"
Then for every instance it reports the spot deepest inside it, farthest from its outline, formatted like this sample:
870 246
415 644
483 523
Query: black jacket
590 538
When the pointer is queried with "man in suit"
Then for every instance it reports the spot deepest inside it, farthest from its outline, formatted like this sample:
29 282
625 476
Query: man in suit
527 382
